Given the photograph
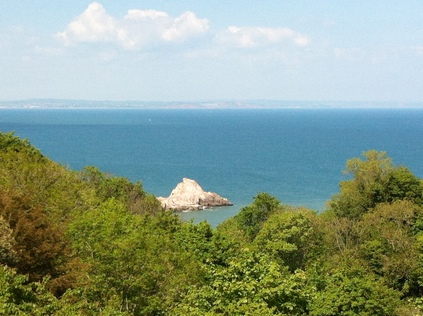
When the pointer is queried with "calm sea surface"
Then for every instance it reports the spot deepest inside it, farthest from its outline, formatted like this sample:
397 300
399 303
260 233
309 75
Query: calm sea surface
295 155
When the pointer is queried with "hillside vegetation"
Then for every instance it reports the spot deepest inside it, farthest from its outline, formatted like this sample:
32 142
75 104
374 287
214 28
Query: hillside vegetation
89 243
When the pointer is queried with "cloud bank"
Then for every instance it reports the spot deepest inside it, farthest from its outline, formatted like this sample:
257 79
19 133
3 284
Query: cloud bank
136 30
140 29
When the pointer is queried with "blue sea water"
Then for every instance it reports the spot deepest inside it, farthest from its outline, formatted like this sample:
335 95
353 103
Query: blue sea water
296 155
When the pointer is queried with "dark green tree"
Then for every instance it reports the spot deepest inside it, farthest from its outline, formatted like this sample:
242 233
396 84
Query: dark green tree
251 218
18 296
387 242
404 185
354 291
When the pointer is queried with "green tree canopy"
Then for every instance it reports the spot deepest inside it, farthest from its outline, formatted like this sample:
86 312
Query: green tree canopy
353 291
103 246
285 236
374 180
251 218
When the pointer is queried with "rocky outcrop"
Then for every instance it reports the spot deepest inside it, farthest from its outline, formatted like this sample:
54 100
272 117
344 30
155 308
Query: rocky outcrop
188 195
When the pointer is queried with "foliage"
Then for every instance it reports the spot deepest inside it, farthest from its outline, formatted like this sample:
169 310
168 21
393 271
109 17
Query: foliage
251 218
26 173
10 142
353 291
37 246
131 194
250 284
375 180
387 242
206 244
231 230
404 185
7 243
89 243
37 200
370 178
18 297
285 237
133 261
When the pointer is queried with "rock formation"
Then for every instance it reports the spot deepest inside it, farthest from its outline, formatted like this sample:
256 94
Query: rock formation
188 195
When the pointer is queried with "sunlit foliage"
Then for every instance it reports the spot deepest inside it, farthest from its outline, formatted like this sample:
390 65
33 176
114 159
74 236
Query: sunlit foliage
90 243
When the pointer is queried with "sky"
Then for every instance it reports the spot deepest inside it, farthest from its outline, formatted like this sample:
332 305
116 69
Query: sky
186 50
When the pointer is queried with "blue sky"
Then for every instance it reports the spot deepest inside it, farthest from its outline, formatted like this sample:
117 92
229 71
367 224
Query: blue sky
204 50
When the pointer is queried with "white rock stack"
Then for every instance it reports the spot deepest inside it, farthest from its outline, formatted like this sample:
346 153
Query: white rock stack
188 195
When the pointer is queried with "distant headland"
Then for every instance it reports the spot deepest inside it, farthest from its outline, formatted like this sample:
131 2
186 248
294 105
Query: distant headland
216 104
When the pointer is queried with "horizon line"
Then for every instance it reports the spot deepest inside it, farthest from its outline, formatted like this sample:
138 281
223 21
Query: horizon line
53 103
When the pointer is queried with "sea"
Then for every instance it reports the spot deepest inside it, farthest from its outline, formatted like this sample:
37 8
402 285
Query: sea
296 155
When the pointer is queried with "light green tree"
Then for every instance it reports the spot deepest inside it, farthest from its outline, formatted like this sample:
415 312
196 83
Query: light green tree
286 236
134 264
366 188
250 284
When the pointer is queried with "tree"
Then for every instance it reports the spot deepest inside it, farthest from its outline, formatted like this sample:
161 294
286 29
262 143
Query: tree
251 218
206 244
131 194
375 180
404 185
7 243
368 186
10 142
387 241
20 297
353 291
285 236
250 284
134 264
37 243
104 246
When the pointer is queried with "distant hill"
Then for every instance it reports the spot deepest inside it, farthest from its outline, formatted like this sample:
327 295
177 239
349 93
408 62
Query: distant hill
216 104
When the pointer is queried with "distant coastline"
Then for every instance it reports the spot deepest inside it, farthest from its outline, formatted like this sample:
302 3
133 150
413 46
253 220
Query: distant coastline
218 104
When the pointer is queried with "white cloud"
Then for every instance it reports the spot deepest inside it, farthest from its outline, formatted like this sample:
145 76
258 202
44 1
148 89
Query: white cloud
139 28
140 15
185 26
93 25
249 37
145 28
